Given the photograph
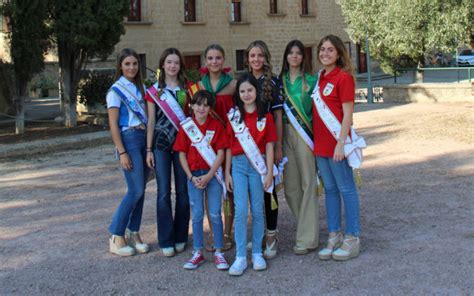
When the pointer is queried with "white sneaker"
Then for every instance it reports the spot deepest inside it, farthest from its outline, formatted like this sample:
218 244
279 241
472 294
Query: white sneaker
239 266
259 262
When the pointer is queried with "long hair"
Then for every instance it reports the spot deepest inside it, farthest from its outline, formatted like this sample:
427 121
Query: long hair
344 60
247 77
267 87
305 67
182 67
138 80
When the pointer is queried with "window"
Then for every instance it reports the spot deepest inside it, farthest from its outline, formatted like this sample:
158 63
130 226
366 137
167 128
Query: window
189 10
309 55
273 6
236 11
192 62
239 60
304 7
135 11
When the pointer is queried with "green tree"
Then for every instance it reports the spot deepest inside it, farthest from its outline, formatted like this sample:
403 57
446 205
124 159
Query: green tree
28 39
402 33
83 29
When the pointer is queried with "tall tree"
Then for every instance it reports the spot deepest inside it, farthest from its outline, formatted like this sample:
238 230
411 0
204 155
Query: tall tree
28 38
83 29
402 33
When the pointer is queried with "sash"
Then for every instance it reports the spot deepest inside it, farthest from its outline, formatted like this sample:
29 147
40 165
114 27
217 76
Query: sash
130 101
248 144
354 144
199 141
168 105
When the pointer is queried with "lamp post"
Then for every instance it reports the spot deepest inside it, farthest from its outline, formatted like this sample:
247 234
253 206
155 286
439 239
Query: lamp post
370 98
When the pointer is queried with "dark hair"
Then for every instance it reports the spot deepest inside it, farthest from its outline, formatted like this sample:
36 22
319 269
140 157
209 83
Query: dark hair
344 60
202 96
214 47
247 77
267 86
122 55
182 67
305 66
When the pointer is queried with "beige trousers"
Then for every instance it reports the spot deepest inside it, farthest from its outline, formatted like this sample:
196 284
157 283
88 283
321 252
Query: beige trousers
300 188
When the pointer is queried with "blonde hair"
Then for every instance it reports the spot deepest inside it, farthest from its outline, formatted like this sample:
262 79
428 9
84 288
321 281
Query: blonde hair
267 87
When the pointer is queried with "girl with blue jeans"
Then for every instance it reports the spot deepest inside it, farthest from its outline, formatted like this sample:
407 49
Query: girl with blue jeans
124 103
337 91
244 178
201 176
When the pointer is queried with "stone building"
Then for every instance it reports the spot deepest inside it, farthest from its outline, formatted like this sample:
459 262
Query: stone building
191 25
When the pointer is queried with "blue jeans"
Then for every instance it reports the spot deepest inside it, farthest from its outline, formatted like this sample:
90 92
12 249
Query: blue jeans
196 200
338 180
129 213
171 230
246 179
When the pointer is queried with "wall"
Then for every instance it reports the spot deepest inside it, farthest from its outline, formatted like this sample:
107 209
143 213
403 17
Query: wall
428 93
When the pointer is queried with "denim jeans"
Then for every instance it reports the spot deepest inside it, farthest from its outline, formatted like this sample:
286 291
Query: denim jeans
246 179
129 213
338 180
171 230
196 200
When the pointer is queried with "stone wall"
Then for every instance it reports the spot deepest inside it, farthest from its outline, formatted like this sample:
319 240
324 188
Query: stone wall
428 92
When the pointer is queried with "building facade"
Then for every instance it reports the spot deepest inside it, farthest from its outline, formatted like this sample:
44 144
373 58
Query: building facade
191 25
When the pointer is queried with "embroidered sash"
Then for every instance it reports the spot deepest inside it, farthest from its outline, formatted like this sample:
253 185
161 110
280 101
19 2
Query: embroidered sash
130 100
202 145
169 105
354 144
248 144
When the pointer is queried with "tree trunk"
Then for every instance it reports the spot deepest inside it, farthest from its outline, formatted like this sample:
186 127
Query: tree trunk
69 102
420 74
19 114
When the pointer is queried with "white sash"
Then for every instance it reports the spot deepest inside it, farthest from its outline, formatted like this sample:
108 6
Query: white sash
202 145
298 128
168 105
248 144
354 144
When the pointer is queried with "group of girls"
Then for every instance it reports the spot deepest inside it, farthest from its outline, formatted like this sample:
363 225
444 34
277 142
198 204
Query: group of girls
227 149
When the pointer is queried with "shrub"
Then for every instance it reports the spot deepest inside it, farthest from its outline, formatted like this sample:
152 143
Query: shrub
93 87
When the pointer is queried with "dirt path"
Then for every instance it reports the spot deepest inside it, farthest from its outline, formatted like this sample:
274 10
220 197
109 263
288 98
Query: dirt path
416 209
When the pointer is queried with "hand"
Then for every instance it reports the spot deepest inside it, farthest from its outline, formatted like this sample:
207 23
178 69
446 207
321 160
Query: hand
268 181
150 160
196 182
125 162
229 184
278 153
339 152
204 180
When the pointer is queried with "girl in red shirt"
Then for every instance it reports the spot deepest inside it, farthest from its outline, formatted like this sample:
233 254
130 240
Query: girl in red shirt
201 175
241 176
337 90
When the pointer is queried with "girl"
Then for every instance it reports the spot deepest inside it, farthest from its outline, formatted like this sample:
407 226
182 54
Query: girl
336 90
300 171
127 120
165 100
251 133
198 142
258 62
221 85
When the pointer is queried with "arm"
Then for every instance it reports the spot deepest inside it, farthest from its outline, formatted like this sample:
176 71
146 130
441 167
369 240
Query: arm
228 177
217 163
278 151
348 110
150 128
184 164
269 158
115 131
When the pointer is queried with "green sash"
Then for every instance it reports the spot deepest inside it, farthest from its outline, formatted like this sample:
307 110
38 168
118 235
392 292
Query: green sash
224 80
305 125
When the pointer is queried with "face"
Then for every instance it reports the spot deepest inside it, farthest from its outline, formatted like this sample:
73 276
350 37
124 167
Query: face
201 110
295 57
328 54
214 60
256 59
247 93
129 67
172 65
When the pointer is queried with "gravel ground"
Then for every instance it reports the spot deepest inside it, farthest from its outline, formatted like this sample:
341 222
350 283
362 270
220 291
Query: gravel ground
416 215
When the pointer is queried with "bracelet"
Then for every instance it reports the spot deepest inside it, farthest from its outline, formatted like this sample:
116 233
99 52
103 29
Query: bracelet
191 179
125 152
